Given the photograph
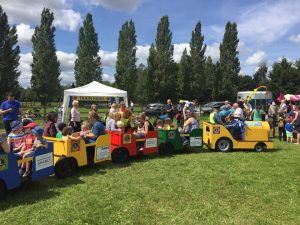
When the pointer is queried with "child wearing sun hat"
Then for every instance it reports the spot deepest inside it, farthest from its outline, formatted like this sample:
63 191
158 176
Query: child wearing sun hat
39 142
27 148
15 138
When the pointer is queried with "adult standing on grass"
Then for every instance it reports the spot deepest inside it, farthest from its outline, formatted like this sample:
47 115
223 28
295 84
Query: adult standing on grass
258 113
296 122
10 110
169 108
272 118
131 106
122 107
94 112
75 117
49 128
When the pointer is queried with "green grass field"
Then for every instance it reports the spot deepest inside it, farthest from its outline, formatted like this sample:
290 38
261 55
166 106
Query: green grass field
202 187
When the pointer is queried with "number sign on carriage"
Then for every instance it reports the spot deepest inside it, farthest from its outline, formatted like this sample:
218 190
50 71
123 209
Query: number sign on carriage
103 152
195 141
151 142
44 161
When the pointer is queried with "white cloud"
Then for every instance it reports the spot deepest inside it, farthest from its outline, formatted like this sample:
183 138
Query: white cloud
67 19
108 59
24 34
25 68
178 50
108 77
125 5
142 53
29 12
213 51
256 59
268 21
295 38
66 65
67 61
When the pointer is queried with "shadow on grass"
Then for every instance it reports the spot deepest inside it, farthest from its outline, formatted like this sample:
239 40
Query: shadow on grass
31 192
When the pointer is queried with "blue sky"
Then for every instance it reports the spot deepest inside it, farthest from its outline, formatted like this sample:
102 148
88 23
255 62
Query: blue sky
268 30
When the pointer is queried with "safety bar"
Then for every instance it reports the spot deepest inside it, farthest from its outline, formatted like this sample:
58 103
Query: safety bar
25 160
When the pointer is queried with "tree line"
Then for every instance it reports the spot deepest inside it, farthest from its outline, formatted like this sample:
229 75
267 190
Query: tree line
195 76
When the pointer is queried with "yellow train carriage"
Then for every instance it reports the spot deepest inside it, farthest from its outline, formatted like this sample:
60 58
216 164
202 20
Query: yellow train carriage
256 136
71 154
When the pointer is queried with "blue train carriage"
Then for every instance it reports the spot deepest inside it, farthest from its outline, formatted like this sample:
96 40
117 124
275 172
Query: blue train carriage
42 166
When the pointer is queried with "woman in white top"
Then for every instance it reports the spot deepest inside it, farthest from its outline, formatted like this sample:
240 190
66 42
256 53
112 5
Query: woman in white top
75 117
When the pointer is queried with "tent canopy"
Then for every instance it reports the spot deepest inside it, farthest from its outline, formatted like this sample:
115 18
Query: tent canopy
93 89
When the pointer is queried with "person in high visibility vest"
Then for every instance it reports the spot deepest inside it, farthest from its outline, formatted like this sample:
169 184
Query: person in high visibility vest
214 117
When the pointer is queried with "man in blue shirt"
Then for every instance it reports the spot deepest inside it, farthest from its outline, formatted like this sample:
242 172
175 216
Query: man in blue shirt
10 110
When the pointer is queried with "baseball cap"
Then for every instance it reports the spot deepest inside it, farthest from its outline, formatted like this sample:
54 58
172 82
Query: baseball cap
31 125
38 130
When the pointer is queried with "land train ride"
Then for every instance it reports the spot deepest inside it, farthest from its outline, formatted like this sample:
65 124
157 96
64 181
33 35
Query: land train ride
63 157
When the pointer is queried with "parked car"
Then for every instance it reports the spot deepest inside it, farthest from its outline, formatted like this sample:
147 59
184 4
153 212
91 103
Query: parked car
154 109
208 107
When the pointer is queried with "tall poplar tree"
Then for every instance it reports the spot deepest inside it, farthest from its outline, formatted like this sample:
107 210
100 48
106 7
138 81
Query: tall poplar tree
210 74
216 83
198 81
141 92
164 75
45 67
185 74
152 89
229 62
88 64
126 71
260 76
9 56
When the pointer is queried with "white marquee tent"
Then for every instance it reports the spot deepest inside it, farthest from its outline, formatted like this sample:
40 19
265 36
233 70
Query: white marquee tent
93 89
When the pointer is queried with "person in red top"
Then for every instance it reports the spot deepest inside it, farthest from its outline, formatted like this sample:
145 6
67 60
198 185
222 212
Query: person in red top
28 148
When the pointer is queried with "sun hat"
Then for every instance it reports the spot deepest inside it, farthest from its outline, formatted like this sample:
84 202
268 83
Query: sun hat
15 125
120 124
31 125
38 130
